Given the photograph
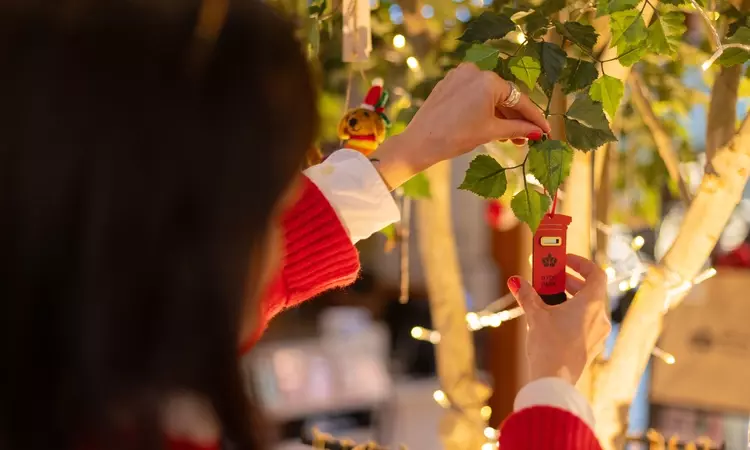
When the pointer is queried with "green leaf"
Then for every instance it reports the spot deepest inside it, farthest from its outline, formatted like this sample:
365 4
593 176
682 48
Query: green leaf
485 177
582 35
418 186
526 68
585 138
503 69
588 111
549 162
389 232
316 7
530 206
484 56
604 7
536 24
406 114
553 60
665 32
608 91
549 7
627 27
487 26
586 126
578 75
735 56
629 34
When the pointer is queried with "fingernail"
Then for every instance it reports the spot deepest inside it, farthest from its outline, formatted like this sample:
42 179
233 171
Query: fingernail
534 136
514 284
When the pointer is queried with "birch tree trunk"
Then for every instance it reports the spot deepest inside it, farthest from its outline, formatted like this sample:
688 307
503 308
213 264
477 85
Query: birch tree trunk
462 426
707 216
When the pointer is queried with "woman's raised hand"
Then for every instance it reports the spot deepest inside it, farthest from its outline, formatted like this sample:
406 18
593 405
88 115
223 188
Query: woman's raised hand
563 339
464 111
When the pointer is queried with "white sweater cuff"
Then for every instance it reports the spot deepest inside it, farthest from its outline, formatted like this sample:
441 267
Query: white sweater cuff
357 193
555 392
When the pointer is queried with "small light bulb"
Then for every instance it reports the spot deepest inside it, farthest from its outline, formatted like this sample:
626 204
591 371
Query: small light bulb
412 63
488 446
440 398
637 243
490 433
624 286
710 273
520 38
486 412
634 279
610 271
472 319
707 65
399 41
664 356
495 321
417 332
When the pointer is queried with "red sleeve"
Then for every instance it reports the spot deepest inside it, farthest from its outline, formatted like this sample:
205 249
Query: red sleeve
546 427
319 255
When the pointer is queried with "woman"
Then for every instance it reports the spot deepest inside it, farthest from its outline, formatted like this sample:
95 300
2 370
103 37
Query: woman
148 155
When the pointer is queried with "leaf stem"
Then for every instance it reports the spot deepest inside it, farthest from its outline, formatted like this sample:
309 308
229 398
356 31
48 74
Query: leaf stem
536 104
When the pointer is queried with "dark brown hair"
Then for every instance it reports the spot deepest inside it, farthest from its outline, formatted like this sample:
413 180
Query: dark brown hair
136 181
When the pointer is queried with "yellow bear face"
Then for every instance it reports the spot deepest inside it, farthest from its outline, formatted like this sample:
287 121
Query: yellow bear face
361 122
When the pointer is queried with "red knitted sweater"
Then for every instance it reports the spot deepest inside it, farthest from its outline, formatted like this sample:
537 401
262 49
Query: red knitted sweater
320 256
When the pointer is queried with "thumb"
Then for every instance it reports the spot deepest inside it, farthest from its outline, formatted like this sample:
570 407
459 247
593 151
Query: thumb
515 129
524 294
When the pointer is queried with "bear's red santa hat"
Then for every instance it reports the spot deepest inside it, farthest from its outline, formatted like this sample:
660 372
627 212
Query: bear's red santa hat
373 96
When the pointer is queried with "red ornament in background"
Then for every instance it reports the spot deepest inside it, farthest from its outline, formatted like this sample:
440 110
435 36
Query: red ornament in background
739 257
500 217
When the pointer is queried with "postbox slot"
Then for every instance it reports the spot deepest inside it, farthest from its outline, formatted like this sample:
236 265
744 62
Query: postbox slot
550 241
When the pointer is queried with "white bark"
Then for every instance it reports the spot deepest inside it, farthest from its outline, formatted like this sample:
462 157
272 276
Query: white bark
462 428
709 212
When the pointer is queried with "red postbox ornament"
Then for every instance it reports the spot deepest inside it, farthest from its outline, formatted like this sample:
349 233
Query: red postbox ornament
550 258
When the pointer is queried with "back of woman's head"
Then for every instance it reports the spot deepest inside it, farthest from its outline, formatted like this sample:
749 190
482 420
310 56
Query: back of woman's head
144 145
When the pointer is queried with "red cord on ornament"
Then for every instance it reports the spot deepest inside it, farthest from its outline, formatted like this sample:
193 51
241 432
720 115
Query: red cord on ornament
554 205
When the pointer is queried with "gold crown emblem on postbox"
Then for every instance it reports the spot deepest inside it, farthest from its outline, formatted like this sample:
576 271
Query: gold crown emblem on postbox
549 261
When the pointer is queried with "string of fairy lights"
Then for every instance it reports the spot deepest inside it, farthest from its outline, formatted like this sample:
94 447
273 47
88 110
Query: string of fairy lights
495 313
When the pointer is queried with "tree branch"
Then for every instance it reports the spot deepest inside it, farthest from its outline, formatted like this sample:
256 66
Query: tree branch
662 139
707 216
722 111
462 426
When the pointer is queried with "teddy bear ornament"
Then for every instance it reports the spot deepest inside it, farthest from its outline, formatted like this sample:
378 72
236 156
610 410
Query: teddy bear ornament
364 127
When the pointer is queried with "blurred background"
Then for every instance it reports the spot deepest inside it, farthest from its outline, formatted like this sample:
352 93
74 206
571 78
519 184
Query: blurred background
357 363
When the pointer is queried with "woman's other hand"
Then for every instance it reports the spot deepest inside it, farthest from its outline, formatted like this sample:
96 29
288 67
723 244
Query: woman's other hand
463 112
563 339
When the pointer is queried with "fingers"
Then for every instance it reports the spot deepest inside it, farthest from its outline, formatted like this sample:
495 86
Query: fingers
524 294
516 129
585 267
573 284
525 107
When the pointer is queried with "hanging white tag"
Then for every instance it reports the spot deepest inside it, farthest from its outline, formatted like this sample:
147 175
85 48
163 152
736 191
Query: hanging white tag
357 33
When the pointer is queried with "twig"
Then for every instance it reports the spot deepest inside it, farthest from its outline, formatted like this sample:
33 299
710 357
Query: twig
663 141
